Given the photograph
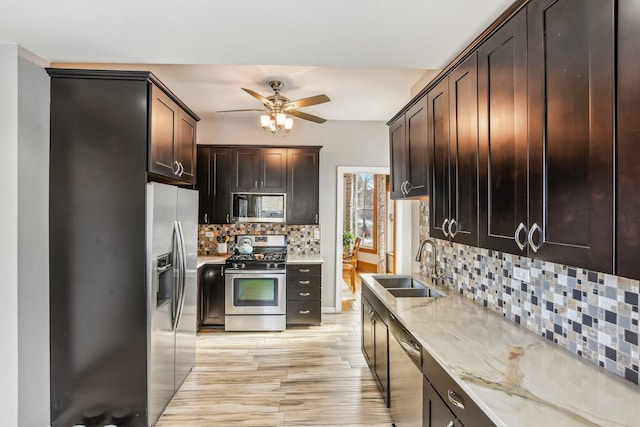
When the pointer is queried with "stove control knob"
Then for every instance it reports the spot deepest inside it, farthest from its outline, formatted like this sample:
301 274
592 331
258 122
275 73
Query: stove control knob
243 265
234 265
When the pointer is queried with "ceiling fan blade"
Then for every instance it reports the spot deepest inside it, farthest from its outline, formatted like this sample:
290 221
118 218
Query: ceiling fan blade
305 116
257 96
236 111
306 102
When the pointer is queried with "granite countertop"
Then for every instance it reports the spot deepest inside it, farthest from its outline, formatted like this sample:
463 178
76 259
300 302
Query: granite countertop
517 377
211 259
304 259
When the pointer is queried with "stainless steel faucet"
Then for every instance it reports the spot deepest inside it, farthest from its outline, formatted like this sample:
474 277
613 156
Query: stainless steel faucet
434 271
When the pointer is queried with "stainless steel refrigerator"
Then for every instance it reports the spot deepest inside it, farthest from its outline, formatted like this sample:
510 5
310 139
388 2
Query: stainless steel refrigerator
172 229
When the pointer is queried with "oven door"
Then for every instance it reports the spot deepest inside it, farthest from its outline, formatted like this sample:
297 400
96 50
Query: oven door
254 292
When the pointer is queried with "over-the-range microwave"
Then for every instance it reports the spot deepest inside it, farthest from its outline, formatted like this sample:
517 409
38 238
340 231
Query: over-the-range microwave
258 207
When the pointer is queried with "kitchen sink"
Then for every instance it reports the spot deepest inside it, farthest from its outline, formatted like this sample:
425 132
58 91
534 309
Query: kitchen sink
397 282
406 286
414 292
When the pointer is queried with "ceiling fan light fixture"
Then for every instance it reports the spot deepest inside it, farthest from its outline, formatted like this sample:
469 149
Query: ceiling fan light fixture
280 119
288 124
265 121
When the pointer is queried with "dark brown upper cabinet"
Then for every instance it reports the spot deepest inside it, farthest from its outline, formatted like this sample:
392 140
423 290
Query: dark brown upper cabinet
172 141
502 125
571 65
214 184
303 203
452 112
628 212
409 153
261 170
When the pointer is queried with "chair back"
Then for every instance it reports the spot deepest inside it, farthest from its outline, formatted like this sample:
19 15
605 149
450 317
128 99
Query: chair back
354 252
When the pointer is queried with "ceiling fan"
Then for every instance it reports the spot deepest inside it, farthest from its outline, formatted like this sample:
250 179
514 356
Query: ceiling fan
278 107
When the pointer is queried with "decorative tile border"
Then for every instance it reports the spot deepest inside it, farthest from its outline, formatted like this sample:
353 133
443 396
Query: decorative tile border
592 314
301 241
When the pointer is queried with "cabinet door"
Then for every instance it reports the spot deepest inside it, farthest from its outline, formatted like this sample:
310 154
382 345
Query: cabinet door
367 332
571 109
628 241
398 153
435 413
502 112
273 170
164 120
303 186
463 151
417 146
185 149
220 165
381 358
203 185
245 169
213 288
438 136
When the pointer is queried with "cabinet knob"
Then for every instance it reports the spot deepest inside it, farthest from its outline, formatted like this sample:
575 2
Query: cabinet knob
316 218
532 244
227 218
453 233
444 227
206 217
516 236
255 184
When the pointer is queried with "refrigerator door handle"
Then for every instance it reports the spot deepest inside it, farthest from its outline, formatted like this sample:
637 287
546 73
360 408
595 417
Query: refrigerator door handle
177 261
183 273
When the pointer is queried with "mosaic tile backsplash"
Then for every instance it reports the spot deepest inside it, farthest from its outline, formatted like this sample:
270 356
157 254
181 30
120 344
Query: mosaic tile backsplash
301 241
592 314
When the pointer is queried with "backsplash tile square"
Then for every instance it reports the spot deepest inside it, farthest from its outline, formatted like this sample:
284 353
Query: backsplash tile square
591 314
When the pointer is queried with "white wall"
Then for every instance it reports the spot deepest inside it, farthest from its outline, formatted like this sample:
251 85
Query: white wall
345 143
9 240
33 242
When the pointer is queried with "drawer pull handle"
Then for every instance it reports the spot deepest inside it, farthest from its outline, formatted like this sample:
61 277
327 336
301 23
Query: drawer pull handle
455 399
303 282
304 294
304 312
450 423
304 270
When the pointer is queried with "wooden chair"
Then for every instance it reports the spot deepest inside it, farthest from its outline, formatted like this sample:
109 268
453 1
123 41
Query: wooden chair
350 264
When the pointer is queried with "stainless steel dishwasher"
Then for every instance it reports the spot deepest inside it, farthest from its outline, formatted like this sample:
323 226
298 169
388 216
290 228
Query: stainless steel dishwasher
405 376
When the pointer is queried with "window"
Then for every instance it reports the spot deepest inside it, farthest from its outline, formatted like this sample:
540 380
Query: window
364 209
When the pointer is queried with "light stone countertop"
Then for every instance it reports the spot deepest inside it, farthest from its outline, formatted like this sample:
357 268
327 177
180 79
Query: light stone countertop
516 377
304 259
212 259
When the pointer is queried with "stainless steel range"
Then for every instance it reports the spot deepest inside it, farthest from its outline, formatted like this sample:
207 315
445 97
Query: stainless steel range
255 285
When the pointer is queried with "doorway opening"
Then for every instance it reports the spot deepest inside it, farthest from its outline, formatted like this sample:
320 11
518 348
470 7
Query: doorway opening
362 236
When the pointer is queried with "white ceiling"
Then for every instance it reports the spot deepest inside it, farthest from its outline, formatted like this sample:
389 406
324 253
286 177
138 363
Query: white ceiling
364 54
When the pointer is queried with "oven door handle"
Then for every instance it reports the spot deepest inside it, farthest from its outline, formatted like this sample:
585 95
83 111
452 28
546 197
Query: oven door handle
243 272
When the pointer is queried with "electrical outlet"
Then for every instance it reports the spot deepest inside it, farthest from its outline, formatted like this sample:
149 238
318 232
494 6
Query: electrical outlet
208 234
316 234
521 274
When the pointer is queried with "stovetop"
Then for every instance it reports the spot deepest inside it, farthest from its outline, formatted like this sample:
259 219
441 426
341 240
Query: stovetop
264 256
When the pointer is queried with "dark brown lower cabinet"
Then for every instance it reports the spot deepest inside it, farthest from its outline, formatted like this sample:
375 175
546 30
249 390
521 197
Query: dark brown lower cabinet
628 196
304 294
211 297
375 346
436 413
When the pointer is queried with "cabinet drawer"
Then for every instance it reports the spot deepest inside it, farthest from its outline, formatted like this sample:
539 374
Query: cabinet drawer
302 312
304 269
303 293
304 282
456 399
